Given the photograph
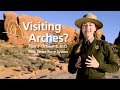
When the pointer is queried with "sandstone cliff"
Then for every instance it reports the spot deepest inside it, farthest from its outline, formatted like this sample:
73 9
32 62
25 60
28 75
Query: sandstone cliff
13 31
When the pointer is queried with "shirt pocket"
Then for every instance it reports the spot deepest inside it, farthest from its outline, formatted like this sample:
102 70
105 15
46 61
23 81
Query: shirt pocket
98 54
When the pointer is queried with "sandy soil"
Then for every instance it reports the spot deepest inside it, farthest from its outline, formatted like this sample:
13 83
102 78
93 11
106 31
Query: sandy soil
16 73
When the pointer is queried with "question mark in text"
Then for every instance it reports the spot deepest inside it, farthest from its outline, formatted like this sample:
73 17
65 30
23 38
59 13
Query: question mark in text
66 37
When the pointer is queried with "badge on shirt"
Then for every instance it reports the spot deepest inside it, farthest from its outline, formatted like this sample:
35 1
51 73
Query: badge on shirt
96 47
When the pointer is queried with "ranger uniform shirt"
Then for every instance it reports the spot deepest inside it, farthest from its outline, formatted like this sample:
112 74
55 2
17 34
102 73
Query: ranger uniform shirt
103 53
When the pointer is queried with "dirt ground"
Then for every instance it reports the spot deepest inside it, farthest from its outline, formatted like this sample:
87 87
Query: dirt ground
16 73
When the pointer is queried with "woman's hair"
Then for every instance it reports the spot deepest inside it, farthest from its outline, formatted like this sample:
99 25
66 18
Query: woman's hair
81 38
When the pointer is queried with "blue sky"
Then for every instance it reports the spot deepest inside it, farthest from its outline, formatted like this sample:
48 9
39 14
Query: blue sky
110 19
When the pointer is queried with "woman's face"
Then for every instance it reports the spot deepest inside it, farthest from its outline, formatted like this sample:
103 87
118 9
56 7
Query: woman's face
88 29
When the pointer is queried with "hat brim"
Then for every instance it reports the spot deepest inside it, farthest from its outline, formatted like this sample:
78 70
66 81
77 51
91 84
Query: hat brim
79 22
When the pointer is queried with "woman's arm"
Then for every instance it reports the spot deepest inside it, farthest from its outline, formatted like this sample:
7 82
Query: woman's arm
110 65
72 61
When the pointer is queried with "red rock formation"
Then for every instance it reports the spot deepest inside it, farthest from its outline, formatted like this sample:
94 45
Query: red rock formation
25 18
9 16
17 34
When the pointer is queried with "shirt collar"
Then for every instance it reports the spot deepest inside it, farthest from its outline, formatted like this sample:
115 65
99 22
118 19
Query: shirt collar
91 40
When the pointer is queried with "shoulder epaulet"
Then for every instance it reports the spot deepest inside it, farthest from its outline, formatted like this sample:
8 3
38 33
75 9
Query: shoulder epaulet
101 42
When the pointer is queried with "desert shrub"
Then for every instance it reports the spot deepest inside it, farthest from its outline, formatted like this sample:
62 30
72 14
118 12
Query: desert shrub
21 56
33 61
6 51
36 64
26 62
39 59
32 68
6 57
42 55
39 63
12 50
11 63
49 66
58 56
14 57
24 68
24 51
25 46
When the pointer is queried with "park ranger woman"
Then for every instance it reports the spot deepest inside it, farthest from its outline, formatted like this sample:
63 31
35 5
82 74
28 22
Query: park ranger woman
91 58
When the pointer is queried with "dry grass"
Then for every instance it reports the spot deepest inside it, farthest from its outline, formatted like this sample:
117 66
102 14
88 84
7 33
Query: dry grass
15 57
19 57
